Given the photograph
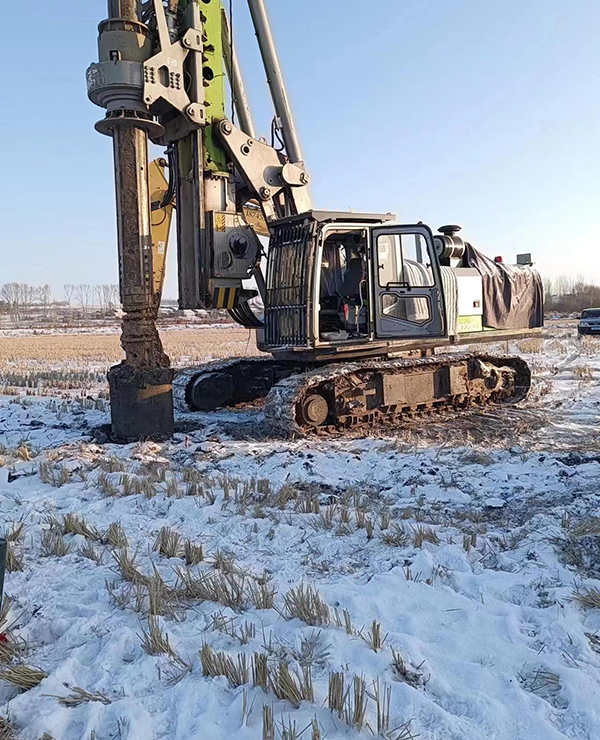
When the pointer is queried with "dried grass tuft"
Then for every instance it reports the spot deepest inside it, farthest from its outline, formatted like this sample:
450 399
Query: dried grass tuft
583 372
131 485
224 562
286 493
107 486
289 731
7 604
168 543
162 599
193 553
403 732
80 696
344 621
382 696
127 567
23 677
262 595
155 641
594 641
469 541
227 588
111 465
176 673
226 625
290 685
397 536
124 597
373 638
308 503
16 533
172 488
92 553
260 671
315 733
56 477
14 558
7 731
336 693
54 545
312 650
236 670
73 524
304 602
355 704
533 345
268 732
12 648
385 519
210 661
579 542
115 536
542 682
406 673
326 518
425 534
587 597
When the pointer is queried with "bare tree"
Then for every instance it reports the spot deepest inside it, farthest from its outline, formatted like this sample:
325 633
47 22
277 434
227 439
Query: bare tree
83 294
107 297
98 292
46 295
115 295
12 295
571 295
69 289
29 294
564 285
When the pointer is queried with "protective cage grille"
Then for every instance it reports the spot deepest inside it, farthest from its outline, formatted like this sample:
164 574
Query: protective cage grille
289 284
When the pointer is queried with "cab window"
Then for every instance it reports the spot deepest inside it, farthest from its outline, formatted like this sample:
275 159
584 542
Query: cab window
403 261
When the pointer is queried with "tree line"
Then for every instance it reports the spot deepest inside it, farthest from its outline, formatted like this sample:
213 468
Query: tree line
564 294
85 296
571 294
21 299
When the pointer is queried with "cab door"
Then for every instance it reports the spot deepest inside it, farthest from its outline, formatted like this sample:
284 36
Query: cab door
407 284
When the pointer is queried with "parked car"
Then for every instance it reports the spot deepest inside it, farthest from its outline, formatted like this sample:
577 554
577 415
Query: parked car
589 321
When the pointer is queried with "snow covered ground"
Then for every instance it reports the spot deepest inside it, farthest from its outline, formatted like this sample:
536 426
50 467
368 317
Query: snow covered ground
465 543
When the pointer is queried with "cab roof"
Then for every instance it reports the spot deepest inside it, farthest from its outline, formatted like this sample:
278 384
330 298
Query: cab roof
343 216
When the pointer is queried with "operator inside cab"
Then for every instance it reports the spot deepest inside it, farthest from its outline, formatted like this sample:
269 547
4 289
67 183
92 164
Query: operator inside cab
343 289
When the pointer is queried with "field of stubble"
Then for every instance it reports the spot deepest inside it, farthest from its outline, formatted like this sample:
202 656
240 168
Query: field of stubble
44 364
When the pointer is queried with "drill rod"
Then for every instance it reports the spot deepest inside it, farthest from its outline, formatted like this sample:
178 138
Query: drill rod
141 392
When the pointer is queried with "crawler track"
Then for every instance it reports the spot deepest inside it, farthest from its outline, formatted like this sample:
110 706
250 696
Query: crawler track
303 400
342 387
225 383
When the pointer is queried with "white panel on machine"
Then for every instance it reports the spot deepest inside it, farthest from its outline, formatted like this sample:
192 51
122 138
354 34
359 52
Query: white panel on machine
470 291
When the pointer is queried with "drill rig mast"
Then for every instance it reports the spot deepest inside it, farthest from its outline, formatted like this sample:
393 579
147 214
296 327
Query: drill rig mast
160 77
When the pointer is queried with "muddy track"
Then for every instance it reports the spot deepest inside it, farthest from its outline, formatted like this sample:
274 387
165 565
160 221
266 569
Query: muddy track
285 398
286 387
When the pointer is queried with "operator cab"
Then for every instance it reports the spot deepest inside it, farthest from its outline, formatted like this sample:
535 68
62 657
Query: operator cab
378 282
344 279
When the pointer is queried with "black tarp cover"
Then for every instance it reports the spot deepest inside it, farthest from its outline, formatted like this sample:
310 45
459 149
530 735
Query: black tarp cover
513 295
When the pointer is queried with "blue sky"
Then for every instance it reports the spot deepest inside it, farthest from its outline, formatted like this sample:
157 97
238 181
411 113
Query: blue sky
485 114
